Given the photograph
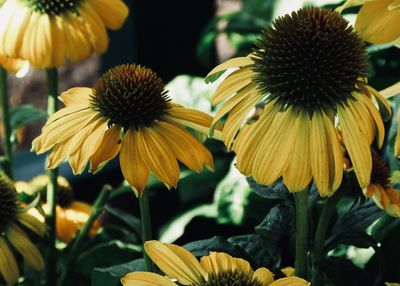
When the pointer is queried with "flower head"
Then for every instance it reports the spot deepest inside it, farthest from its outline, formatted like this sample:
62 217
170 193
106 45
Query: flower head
377 21
48 32
217 268
127 112
309 69
13 220
381 189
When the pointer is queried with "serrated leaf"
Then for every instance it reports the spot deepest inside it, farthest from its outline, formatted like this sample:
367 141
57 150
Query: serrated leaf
110 276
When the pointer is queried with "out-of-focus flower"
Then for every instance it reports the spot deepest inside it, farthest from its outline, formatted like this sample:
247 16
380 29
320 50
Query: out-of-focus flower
377 21
129 100
13 220
381 190
310 69
217 268
47 33
71 215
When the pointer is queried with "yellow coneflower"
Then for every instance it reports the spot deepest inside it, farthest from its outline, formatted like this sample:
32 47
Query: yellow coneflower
71 215
377 21
13 220
380 189
48 32
127 112
217 268
309 69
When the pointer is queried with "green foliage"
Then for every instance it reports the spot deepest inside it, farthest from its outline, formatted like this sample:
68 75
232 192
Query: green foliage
110 276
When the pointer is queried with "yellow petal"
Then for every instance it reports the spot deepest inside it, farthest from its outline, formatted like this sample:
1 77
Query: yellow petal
232 63
134 168
351 3
76 95
145 279
187 149
298 175
265 276
216 262
356 145
377 24
8 266
108 149
25 247
88 146
249 139
238 115
32 223
113 13
290 281
373 113
176 262
58 41
397 142
272 157
232 84
380 97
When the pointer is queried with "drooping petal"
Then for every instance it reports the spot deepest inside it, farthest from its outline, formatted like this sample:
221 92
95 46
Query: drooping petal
176 262
108 149
8 266
76 95
232 63
134 168
187 149
25 247
112 13
290 281
356 145
145 279
377 24
32 223
265 276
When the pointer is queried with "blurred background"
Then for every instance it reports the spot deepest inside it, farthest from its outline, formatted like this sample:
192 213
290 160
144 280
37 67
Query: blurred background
180 40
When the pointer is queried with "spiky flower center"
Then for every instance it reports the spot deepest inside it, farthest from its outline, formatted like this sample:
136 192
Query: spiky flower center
131 96
231 278
8 202
380 172
311 60
52 7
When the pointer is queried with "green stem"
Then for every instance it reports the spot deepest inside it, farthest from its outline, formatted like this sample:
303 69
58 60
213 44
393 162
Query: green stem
320 235
146 227
52 105
97 208
301 259
5 108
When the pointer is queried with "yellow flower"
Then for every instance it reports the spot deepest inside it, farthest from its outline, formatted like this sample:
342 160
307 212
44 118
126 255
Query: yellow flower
10 64
309 69
47 33
71 215
380 189
378 20
13 220
127 112
217 268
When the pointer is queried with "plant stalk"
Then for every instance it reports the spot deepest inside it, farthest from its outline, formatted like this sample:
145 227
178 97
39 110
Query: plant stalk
97 208
52 187
6 134
145 219
301 259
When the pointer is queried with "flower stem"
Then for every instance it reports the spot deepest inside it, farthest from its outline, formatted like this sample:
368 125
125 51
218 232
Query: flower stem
320 234
5 108
82 234
146 227
301 259
52 105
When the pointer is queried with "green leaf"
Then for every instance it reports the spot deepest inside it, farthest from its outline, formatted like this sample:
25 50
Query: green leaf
276 190
263 252
175 228
214 77
111 276
130 220
105 255
342 271
203 247
279 220
25 114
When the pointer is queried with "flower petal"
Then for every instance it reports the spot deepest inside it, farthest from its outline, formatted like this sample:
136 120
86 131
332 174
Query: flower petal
145 279
76 95
265 276
8 266
232 63
32 223
290 281
134 168
176 262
